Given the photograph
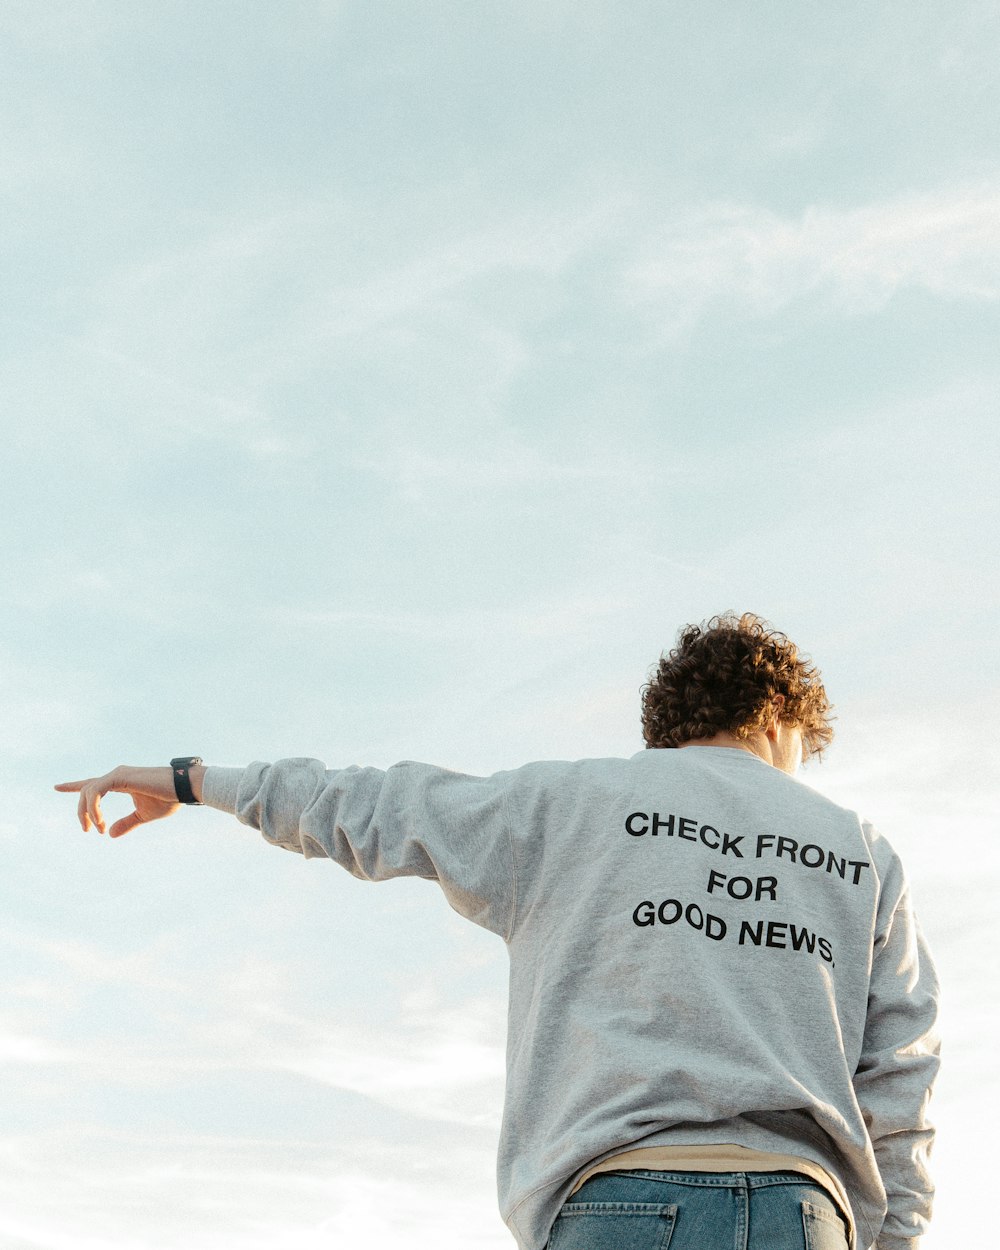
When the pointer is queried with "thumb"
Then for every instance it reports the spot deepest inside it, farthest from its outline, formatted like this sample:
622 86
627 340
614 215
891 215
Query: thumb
125 825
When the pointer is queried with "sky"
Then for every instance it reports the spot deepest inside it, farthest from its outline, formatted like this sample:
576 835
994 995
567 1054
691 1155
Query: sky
393 380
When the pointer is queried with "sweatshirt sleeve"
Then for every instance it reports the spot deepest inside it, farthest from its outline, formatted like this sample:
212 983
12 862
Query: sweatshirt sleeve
899 1063
411 820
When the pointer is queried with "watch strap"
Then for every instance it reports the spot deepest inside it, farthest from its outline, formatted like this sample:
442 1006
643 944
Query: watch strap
182 766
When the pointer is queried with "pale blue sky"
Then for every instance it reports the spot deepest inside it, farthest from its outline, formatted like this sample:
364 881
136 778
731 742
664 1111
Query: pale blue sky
393 380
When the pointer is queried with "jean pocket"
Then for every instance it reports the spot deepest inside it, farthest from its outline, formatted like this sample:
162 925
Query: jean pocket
613 1226
823 1227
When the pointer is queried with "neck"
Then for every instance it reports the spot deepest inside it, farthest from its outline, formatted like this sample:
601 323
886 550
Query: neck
757 744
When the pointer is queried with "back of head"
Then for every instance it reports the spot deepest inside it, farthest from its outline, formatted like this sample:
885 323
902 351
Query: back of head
728 675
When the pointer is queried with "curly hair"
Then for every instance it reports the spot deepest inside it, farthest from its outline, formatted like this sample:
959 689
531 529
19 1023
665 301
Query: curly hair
725 676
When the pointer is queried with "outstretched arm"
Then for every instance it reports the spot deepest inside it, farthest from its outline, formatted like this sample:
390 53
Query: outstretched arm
412 820
151 790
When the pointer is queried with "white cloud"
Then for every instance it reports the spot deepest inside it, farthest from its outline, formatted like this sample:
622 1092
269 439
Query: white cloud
933 778
945 241
503 463
439 1059
369 1213
79 961
23 1049
195 291
543 241
144 1191
546 621
439 1062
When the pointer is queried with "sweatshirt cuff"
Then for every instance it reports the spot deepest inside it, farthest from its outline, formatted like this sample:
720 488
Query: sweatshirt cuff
219 788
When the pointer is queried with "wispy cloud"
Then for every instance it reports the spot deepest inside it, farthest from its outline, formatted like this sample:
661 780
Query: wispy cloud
915 773
536 241
139 1191
220 287
541 621
946 241
503 463
933 788
440 1060
22 1048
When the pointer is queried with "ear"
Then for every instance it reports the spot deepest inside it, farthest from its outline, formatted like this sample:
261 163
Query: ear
775 709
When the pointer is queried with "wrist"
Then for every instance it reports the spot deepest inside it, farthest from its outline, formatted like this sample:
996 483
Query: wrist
197 779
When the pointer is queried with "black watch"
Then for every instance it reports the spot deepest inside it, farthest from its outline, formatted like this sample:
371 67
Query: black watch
182 766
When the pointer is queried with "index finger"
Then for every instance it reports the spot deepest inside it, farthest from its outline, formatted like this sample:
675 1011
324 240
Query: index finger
71 785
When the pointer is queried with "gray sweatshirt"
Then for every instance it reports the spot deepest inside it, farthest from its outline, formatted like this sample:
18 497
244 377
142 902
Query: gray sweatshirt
703 950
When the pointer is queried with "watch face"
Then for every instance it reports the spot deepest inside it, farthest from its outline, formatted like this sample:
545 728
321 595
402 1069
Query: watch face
185 761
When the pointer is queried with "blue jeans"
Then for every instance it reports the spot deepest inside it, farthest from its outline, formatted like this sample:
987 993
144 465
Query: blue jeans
699 1211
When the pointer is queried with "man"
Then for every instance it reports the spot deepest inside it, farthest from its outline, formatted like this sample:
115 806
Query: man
722 1013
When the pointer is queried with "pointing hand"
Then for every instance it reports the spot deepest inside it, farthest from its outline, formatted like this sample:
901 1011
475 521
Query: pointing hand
151 790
